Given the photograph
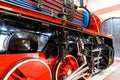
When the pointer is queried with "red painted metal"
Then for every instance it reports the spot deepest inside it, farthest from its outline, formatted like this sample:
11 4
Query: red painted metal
9 59
31 2
57 7
38 15
56 2
95 23
51 62
48 8
27 12
66 67
29 69
37 70
52 6
96 33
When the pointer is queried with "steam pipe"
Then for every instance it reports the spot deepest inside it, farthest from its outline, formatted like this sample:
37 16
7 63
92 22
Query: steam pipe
81 3
62 44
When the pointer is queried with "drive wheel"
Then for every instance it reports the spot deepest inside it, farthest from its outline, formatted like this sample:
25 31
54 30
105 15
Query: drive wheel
64 68
30 69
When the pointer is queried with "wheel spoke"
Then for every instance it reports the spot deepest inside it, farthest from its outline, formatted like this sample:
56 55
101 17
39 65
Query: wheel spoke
64 63
29 69
68 62
61 74
18 75
66 67
62 68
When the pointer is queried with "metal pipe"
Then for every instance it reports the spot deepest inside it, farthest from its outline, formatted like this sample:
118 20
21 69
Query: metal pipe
80 73
81 3
62 44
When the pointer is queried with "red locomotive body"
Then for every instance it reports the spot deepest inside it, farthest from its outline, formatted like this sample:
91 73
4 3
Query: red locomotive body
51 46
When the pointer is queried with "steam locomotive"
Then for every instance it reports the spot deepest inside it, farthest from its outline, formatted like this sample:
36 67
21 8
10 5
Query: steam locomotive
51 40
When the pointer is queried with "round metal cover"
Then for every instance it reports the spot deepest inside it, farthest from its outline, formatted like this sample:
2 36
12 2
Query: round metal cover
22 42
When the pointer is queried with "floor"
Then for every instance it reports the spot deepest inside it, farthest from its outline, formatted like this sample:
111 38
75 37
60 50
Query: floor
112 73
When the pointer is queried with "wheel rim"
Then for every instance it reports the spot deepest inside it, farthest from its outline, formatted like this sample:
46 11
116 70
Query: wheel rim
30 69
66 67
